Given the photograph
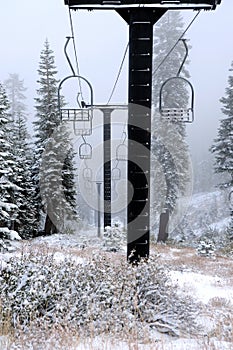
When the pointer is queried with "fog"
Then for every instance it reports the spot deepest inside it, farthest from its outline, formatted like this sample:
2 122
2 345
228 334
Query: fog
101 37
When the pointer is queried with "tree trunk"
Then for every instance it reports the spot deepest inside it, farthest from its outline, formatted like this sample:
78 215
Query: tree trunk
49 228
163 229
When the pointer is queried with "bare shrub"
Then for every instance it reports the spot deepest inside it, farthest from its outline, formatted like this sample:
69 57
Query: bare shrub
97 296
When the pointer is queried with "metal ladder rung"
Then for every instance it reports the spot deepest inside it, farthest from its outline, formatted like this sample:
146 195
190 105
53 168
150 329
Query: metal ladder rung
146 228
144 243
143 39
141 54
138 22
143 215
141 70
140 172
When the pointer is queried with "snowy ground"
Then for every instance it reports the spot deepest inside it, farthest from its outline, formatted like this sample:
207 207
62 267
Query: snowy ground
208 210
207 280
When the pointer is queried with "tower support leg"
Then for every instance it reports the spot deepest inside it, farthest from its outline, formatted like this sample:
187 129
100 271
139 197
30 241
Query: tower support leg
107 165
141 21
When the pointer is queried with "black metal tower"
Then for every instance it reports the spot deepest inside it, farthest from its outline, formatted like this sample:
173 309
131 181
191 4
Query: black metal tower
107 149
141 16
107 165
139 126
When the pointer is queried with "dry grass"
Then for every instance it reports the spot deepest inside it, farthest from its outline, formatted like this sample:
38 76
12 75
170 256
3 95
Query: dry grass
83 253
60 338
219 310
179 258
65 339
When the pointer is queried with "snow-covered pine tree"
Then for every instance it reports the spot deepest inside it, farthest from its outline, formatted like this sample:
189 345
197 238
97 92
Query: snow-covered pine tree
24 222
171 172
223 145
68 180
15 91
57 181
50 147
166 33
7 187
206 247
205 179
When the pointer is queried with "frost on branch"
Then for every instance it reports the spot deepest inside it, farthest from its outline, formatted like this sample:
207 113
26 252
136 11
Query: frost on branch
101 294
205 247
114 238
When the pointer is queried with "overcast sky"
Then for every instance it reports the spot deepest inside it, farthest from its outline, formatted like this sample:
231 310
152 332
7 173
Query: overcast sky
101 37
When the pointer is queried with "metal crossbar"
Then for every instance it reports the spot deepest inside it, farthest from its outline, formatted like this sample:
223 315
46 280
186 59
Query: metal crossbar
178 114
81 119
77 115
165 4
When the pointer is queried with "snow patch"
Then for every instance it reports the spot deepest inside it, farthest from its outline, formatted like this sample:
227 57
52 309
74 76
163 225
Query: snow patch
13 235
61 257
3 266
4 342
221 225
203 286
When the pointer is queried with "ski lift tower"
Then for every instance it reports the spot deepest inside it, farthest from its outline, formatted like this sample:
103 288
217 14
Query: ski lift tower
140 15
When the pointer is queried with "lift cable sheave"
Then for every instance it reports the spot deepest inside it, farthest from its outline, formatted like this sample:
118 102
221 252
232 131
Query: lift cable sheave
117 4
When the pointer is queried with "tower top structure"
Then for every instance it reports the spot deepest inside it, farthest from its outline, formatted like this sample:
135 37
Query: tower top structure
163 4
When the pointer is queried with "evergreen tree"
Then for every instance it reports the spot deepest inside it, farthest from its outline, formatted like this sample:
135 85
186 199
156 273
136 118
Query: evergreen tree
204 176
166 33
170 151
68 178
15 91
53 161
223 144
24 222
7 187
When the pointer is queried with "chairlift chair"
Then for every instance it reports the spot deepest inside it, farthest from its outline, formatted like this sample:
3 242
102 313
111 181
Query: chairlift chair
82 116
85 151
116 174
122 149
87 173
88 185
121 152
181 113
